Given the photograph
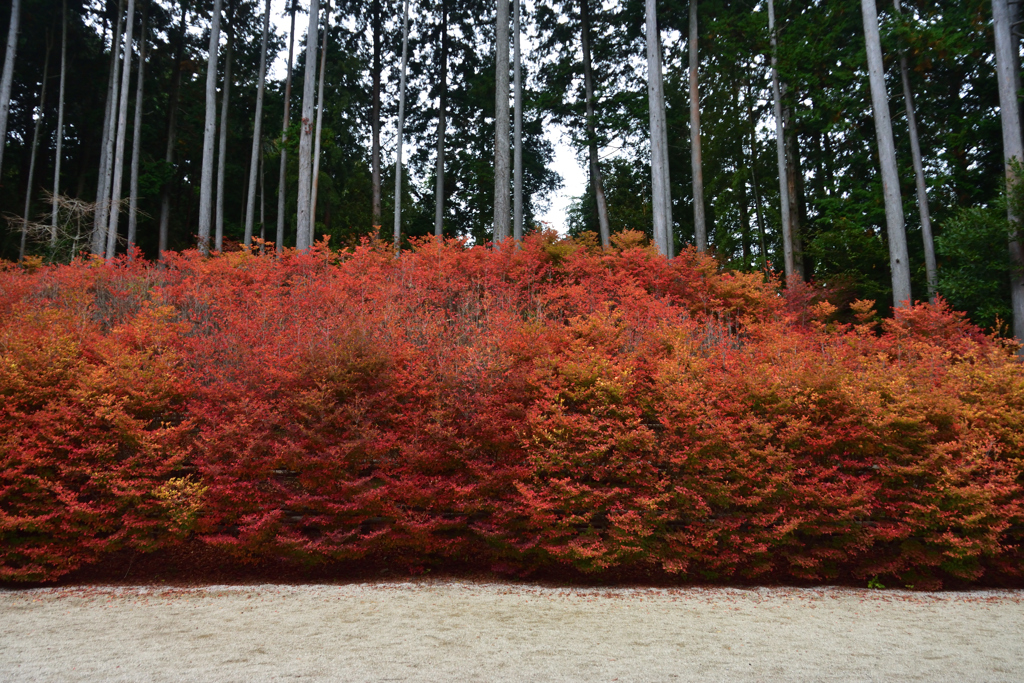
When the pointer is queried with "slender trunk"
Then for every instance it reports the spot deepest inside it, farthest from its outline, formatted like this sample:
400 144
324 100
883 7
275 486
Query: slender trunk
133 184
656 98
99 241
122 132
99 220
754 155
794 186
442 123
700 229
222 143
319 128
172 134
745 241
666 187
517 132
789 262
595 168
1013 152
8 75
35 148
401 128
60 123
257 131
501 126
375 120
898 259
922 187
263 199
209 133
302 230
282 179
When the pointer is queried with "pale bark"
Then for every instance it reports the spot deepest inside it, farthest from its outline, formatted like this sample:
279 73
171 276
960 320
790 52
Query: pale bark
282 180
122 133
899 261
501 126
517 132
922 187
666 187
99 235
754 154
172 134
401 128
99 217
302 227
35 149
133 183
209 133
793 185
376 210
222 143
60 122
263 199
319 127
700 229
8 74
659 134
788 257
257 130
595 168
442 123
1013 152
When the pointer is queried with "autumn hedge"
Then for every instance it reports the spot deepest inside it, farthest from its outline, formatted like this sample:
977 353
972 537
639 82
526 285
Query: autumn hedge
550 406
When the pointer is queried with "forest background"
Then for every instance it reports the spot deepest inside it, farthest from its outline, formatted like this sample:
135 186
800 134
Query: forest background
835 187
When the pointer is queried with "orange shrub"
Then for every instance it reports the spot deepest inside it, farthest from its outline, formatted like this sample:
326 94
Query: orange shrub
552 405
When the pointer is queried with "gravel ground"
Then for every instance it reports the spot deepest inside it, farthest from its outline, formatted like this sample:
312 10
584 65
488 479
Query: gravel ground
465 631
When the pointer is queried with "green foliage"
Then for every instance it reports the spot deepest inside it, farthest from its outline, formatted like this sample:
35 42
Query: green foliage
974 266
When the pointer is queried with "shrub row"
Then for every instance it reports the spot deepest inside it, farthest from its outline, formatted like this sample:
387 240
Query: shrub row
521 409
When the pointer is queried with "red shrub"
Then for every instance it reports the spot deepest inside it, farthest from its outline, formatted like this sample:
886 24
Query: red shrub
549 405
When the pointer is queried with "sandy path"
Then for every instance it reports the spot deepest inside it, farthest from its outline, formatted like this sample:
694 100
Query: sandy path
460 631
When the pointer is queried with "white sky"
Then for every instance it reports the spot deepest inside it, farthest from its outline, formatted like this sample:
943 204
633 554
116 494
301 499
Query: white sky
574 176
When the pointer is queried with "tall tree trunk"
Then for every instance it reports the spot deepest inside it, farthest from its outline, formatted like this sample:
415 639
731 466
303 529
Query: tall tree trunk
99 235
306 129
133 183
517 70
172 135
670 236
794 186
502 213
595 168
1013 152
319 127
263 198
8 74
898 259
659 134
58 157
35 147
401 128
785 215
209 133
122 132
376 210
754 155
700 228
922 187
222 143
283 178
257 131
442 123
